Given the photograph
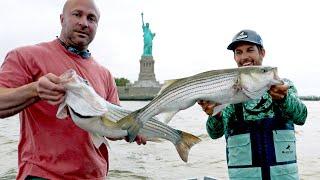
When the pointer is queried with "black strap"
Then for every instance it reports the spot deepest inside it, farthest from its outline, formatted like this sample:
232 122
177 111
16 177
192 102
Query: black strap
239 112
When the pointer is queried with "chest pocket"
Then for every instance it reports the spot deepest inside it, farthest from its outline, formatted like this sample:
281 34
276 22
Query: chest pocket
285 145
239 150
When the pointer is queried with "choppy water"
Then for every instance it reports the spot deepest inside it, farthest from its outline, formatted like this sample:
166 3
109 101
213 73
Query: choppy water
161 161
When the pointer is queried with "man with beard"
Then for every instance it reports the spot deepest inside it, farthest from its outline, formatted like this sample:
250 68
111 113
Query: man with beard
259 133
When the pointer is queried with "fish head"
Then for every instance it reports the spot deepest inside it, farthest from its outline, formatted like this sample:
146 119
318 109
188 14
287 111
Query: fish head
256 80
81 97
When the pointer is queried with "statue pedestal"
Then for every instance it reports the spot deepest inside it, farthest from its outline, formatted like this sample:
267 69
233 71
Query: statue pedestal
147 77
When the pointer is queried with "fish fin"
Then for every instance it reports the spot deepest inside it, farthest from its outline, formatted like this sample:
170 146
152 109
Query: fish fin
109 123
166 84
277 82
131 124
184 145
62 111
105 141
218 109
167 116
97 140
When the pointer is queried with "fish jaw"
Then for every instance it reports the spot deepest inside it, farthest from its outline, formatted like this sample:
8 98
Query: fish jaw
131 124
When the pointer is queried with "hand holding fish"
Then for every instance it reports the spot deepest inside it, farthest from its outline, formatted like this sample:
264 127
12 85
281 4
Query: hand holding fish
49 89
99 117
278 92
208 106
139 139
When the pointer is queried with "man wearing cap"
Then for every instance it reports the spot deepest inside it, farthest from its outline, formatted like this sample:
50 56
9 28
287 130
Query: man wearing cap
259 133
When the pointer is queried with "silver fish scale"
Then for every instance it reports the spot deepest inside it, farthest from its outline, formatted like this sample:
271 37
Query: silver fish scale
153 127
254 93
191 89
203 82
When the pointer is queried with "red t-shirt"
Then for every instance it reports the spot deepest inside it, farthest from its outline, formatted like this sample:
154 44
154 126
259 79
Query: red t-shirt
49 147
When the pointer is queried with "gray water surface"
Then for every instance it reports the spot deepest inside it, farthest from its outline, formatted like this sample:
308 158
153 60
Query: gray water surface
161 161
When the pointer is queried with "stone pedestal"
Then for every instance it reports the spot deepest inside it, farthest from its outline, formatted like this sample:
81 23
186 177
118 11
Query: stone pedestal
147 77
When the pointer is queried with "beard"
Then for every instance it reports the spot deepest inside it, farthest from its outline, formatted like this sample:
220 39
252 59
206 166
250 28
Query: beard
78 39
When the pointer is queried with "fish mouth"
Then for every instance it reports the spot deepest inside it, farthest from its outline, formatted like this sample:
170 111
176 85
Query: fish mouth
79 115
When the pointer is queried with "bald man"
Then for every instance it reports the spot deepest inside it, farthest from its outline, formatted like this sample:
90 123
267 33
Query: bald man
50 148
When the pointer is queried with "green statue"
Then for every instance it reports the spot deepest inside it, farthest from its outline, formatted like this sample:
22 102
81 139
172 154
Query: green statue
147 38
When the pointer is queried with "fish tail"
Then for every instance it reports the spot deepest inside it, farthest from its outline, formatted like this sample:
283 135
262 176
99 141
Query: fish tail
131 124
184 145
107 122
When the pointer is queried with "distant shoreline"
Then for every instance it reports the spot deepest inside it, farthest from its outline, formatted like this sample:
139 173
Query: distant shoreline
149 98
310 98
130 93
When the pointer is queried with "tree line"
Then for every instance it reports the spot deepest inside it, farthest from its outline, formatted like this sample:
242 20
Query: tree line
121 81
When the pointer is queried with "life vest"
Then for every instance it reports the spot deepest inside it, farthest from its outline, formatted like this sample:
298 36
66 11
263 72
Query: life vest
263 149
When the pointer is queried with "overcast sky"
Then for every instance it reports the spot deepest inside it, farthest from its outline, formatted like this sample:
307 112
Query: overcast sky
191 35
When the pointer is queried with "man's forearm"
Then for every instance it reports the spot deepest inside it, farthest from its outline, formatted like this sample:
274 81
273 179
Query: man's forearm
215 126
14 110
294 109
13 100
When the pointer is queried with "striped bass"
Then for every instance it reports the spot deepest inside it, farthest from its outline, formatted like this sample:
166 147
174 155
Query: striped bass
226 86
92 113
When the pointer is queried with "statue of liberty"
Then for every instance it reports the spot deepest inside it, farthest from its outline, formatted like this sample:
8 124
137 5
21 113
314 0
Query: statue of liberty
147 38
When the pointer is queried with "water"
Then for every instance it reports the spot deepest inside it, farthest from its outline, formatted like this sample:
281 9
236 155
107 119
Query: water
161 161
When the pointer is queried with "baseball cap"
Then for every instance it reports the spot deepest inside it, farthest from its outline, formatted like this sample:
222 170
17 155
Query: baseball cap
245 36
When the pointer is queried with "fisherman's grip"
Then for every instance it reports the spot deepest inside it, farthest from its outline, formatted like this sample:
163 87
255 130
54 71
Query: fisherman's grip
132 125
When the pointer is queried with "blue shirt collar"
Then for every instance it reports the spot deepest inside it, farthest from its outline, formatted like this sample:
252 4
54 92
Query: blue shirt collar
84 53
